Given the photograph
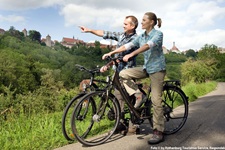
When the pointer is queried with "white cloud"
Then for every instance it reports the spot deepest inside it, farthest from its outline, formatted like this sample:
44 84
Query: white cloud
12 18
205 13
189 23
84 15
183 21
194 39
27 4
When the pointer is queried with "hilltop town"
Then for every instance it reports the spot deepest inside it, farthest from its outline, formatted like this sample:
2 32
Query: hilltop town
70 42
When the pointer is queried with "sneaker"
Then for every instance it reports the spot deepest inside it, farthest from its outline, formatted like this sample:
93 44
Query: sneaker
140 99
156 138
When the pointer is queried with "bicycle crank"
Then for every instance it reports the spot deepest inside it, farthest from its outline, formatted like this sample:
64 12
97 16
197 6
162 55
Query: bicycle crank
96 118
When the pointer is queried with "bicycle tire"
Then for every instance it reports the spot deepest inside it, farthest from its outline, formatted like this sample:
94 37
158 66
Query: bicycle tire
95 125
175 106
66 125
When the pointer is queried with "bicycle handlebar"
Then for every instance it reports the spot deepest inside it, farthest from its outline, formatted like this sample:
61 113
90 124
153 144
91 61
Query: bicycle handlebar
110 58
97 69
91 71
114 59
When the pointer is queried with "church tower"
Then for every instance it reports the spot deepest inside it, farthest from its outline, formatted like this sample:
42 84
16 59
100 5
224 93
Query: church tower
48 41
25 32
175 49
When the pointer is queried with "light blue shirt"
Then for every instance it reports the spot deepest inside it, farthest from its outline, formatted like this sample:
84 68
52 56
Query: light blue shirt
154 59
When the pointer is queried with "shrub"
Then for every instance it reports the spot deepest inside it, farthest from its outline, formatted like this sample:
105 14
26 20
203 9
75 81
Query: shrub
198 71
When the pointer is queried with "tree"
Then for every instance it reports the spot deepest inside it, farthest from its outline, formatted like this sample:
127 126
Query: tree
211 54
191 53
97 44
208 52
198 71
35 35
207 66
13 32
175 58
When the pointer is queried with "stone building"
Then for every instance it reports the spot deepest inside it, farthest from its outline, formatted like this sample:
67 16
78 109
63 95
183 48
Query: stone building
2 31
70 42
48 41
25 32
221 50
165 50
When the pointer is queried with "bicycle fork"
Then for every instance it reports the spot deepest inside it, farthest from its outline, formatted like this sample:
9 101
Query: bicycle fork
102 106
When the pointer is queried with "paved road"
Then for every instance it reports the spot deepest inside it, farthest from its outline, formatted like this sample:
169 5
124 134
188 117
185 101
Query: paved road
204 129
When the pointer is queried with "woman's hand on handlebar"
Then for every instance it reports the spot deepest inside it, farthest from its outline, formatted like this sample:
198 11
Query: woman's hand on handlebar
127 57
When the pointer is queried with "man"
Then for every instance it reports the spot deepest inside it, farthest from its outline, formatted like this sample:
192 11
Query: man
130 24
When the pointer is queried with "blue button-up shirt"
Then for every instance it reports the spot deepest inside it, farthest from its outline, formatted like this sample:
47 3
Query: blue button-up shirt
122 38
154 59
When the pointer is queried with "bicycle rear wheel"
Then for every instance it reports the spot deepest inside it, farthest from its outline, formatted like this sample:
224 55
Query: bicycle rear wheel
66 118
95 122
175 106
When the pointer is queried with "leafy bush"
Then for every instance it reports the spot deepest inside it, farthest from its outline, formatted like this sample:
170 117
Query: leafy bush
173 71
198 71
175 58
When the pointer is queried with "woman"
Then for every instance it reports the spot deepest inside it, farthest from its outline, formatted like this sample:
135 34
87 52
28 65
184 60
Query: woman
150 43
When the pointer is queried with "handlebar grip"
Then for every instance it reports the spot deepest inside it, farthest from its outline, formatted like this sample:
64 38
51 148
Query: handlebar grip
109 58
80 67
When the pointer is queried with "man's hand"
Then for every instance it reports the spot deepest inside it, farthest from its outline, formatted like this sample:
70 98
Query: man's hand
106 55
84 29
104 68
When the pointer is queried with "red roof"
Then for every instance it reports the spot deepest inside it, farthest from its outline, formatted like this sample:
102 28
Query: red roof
174 47
71 40
2 30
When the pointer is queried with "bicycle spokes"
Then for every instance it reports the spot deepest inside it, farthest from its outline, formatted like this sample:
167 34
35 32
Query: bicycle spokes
97 123
175 107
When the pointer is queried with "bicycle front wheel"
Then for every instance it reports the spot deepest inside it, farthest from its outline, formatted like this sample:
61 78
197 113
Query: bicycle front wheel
175 107
95 118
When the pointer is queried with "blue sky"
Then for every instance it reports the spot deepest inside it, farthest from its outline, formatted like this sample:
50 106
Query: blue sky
188 23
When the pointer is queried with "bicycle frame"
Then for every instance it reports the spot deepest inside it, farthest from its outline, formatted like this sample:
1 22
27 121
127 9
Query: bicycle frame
120 87
116 82
92 78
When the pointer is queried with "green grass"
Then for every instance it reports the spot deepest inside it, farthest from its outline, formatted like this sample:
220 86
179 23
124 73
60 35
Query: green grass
193 90
38 132
43 132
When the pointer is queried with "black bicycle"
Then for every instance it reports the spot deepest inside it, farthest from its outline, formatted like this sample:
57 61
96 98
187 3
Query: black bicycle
96 121
91 85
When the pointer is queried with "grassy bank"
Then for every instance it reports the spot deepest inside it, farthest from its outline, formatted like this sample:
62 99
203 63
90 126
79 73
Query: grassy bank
43 131
193 90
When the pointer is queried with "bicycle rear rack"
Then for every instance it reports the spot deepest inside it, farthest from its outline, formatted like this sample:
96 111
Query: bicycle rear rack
172 83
